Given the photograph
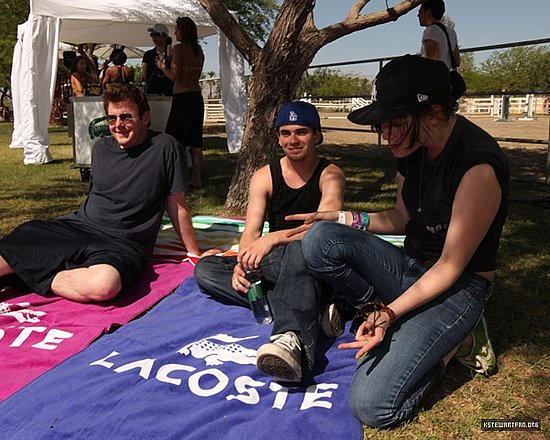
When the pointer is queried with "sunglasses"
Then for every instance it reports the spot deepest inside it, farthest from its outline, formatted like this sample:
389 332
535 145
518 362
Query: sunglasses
155 34
365 311
125 118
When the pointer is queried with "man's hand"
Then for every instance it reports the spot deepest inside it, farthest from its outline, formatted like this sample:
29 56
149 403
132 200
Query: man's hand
238 281
209 252
250 256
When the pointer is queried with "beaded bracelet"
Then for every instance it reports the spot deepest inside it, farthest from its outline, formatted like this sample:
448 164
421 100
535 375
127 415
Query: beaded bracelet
356 223
360 220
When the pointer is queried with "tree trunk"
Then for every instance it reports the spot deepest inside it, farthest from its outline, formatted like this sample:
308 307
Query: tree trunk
272 84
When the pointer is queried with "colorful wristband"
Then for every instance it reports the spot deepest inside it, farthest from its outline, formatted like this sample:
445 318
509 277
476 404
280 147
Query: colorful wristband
356 223
360 220
364 221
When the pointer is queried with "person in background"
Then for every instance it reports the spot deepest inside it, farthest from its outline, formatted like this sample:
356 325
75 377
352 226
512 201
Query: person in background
81 76
156 82
92 254
434 41
186 118
420 305
299 182
118 73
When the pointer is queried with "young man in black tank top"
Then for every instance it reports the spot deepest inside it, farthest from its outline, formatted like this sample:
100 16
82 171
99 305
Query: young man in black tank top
298 182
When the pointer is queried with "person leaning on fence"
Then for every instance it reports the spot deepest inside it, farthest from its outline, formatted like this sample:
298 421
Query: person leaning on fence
434 40
92 254
453 183
299 182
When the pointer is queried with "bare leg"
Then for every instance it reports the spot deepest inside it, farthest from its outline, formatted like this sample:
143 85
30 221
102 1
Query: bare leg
96 283
5 268
196 156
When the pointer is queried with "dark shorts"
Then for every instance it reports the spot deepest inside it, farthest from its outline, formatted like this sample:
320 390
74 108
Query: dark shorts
39 249
186 119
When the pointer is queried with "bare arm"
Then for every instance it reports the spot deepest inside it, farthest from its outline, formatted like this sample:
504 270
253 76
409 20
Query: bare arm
106 77
456 55
179 213
431 49
144 73
174 70
76 85
392 221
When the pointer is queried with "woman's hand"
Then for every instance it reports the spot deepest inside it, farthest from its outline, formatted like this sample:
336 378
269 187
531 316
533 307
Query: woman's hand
369 334
309 220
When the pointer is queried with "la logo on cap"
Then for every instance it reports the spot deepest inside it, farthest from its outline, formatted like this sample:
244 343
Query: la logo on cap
293 116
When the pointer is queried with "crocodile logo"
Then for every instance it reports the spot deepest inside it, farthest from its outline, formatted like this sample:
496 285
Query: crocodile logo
220 348
20 312
99 127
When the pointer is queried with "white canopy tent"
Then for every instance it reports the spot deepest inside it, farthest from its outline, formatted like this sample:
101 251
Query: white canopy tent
102 21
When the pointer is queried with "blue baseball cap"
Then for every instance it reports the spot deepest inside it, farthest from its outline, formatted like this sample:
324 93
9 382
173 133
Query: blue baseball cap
299 113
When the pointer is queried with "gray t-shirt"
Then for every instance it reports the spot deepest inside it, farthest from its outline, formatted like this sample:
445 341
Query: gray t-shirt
128 187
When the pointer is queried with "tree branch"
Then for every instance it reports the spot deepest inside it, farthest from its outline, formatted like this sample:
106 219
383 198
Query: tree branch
355 21
232 30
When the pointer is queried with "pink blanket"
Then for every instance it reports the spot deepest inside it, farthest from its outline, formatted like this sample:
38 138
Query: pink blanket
37 333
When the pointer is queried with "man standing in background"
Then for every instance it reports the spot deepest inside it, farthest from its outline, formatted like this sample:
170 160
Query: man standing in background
434 40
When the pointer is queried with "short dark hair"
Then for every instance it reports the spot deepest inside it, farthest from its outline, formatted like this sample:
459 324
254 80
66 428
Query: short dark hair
118 57
436 7
126 92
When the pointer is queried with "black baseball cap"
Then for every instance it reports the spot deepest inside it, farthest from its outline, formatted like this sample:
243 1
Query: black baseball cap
405 84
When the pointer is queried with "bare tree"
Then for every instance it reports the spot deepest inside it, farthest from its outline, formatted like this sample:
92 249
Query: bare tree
277 69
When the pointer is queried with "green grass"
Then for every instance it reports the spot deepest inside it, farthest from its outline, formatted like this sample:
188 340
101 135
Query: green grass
516 314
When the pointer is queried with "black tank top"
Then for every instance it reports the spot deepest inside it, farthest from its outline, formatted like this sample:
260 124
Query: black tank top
286 200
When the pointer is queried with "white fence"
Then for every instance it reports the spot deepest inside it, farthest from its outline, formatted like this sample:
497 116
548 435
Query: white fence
526 106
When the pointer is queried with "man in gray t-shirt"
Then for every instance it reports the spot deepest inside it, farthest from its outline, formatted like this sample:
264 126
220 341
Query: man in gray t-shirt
90 255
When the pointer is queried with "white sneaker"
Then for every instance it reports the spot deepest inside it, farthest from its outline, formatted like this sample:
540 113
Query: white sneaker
281 358
332 323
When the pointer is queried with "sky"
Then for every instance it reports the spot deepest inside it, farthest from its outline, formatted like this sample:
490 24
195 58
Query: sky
477 23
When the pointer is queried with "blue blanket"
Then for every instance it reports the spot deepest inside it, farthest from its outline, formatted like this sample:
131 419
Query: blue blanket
185 370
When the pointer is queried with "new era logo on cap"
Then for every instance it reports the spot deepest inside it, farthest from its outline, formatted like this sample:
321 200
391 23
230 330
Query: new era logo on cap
421 97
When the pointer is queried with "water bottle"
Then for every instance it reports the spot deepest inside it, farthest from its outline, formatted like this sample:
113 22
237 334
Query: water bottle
257 298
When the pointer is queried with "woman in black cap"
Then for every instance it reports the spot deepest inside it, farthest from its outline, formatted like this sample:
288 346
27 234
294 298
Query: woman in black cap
451 206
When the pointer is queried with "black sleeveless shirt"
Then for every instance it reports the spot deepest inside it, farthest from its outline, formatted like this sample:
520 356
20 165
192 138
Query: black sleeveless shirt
431 186
286 200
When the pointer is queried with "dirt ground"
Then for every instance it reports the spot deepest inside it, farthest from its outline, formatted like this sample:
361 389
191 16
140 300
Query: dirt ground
527 160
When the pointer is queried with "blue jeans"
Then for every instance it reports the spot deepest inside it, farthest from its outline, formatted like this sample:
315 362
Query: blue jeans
293 293
393 377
